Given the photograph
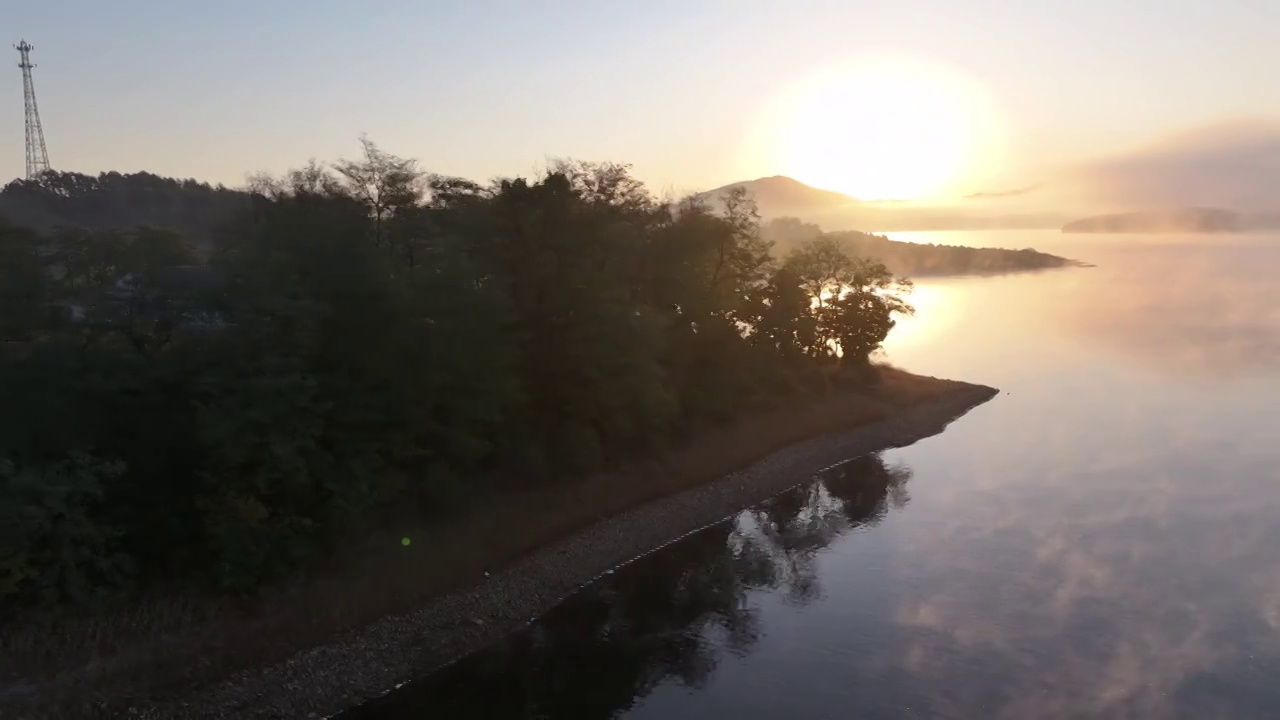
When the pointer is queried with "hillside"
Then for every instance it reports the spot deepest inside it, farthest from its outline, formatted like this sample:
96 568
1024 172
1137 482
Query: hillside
1181 220
111 201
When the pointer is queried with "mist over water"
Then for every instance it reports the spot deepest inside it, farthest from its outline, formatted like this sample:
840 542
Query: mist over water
1100 540
1166 304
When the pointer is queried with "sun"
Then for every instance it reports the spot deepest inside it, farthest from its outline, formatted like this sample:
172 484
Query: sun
889 129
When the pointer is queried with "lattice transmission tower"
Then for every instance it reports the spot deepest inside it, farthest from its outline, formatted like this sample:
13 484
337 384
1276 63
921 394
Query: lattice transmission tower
37 153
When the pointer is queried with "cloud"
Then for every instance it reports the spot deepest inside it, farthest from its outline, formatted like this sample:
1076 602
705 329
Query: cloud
1203 311
1233 165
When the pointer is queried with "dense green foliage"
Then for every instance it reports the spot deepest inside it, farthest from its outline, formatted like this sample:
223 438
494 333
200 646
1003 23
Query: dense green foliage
365 341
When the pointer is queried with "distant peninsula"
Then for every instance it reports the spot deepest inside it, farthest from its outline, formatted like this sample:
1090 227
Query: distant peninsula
1181 220
911 259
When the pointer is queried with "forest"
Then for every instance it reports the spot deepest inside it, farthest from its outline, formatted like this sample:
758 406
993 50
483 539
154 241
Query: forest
216 391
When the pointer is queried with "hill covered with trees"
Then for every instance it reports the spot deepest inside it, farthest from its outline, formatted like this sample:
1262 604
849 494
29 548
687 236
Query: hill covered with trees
363 341
115 201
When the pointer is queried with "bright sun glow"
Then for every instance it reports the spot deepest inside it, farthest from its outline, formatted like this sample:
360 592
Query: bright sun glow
935 313
885 130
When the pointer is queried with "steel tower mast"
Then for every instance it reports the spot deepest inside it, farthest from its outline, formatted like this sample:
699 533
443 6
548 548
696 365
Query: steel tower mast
37 153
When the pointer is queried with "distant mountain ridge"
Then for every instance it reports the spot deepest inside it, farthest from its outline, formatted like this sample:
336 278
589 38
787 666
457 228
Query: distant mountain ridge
780 195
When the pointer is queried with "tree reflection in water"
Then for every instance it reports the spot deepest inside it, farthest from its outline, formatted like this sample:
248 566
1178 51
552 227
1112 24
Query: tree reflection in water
664 618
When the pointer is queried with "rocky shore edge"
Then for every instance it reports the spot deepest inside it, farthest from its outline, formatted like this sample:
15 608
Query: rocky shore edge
324 681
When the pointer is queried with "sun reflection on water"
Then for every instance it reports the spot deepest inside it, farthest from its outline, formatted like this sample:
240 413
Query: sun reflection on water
933 313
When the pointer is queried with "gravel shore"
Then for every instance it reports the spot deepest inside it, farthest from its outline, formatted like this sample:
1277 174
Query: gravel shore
324 681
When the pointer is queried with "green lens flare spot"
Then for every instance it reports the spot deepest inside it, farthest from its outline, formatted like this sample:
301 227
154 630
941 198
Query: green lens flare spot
404 542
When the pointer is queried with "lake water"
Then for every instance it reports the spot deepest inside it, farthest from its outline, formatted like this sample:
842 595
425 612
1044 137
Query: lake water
1101 540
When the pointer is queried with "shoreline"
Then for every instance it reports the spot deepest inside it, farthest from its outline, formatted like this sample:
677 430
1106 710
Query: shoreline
370 662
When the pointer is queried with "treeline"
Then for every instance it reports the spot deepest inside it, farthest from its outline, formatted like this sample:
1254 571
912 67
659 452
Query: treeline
364 341
912 259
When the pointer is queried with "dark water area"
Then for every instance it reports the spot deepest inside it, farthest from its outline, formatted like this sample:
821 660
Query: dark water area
1102 540
669 617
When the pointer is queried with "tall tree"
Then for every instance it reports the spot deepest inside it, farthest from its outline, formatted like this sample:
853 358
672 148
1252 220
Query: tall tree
389 186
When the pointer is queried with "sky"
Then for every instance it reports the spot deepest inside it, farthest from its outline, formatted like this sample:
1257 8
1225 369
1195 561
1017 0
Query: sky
490 88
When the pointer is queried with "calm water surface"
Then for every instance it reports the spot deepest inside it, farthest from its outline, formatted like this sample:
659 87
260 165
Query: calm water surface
1102 540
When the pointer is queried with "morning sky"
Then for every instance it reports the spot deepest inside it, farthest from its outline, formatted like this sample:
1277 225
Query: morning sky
216 90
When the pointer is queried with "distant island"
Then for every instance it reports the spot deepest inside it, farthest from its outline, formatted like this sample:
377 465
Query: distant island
1181 220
